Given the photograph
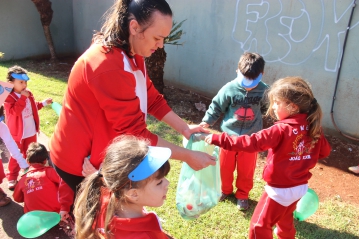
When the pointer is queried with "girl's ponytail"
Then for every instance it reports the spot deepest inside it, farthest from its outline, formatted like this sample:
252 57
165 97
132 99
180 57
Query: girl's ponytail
87 205
314 119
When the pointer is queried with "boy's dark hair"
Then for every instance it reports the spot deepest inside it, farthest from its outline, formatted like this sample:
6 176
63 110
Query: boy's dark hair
251 65
15 69
36 153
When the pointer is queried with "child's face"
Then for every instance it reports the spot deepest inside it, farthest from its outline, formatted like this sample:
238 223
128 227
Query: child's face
154 193
280 109
19 85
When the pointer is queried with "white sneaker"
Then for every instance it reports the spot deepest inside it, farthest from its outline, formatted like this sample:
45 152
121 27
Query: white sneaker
11 184
354 169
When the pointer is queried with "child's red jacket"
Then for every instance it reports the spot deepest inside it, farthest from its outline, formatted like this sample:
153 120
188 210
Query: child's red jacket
290 156
146 227
14 106
41 188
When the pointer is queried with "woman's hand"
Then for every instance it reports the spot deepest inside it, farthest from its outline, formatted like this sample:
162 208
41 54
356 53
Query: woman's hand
199 160
88 168
194 129
208 139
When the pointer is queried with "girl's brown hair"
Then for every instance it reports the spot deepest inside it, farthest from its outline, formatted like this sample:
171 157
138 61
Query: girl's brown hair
295 90
15 69
122 156
115 30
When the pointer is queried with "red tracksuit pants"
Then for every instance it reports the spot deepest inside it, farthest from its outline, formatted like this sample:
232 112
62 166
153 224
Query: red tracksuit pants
269 213
245 164
13 166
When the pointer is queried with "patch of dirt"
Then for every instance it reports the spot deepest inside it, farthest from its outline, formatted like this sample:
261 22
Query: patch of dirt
331 178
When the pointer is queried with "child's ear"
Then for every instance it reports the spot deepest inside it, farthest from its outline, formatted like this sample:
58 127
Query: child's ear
132 195
294 108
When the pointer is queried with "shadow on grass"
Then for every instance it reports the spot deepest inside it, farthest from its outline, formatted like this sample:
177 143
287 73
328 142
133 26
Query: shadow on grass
309 230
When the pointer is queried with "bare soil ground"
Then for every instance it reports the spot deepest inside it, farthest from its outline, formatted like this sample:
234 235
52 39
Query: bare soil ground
331 178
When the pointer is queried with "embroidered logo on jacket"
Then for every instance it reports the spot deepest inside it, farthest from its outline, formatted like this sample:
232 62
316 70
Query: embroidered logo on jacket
32 184
301 149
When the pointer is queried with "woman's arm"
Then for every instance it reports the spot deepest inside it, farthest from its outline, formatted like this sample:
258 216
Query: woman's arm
195 159
173 120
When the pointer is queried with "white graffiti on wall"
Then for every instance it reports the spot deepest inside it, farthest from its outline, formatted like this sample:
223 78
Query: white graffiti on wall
290 32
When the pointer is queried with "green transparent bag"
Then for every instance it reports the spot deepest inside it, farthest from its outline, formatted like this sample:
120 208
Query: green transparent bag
198 191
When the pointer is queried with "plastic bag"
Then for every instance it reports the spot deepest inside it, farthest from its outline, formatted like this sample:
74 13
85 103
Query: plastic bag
198 191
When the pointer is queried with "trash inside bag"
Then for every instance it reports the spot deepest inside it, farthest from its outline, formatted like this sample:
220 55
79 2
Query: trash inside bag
198 191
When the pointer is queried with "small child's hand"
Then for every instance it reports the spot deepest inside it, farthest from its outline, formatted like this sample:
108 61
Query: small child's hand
204 125
64 216
48 101
25 93
208 139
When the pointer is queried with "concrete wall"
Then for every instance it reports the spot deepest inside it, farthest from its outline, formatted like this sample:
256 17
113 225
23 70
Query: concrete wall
88 15
295 37
21 33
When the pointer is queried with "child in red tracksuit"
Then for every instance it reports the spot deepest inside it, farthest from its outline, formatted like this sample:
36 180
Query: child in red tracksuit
22 117
111 202
294 144
41 188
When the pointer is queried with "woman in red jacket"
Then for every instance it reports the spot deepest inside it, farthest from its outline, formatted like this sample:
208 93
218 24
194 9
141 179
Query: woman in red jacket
294 144
110 94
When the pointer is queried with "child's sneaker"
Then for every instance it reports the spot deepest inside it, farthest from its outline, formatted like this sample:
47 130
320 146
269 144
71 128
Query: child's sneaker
242 204
11 184
4 200
354 169
224 196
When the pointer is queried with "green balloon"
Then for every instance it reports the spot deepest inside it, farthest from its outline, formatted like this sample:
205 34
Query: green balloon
307 205
36 223
57 107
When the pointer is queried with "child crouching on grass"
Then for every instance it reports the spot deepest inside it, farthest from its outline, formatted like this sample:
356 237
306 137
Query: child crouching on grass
41 188
110 203
294 144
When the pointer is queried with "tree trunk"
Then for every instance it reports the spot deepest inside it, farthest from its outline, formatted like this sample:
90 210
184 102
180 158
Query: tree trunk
49 41
155 65
46 12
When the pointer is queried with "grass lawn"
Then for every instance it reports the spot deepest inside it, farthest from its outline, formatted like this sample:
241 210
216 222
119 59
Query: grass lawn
334 219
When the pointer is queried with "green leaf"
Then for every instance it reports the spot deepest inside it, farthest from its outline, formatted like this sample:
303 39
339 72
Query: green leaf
175 34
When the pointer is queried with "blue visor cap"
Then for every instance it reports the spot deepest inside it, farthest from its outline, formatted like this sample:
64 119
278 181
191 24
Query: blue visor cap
154 159
248 83
20 76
